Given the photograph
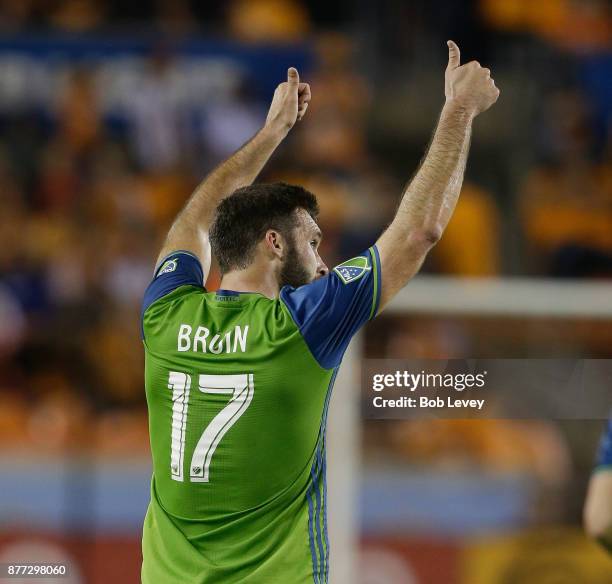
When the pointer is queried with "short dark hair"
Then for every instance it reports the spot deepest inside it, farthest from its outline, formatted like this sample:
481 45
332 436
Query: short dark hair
243 218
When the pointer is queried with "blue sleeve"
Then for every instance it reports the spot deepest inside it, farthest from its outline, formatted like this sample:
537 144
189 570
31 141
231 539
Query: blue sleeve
605 448
330 310
177 269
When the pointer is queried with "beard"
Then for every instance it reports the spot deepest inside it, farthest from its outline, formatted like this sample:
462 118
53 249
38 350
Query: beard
293 271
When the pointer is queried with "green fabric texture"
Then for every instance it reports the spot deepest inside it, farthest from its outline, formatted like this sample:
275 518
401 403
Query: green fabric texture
258 516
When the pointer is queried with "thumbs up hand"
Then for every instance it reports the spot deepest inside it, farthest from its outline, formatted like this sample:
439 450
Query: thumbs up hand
470 85
289 103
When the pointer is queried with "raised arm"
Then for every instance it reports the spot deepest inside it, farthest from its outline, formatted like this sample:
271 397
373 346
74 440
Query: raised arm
430 198
190 228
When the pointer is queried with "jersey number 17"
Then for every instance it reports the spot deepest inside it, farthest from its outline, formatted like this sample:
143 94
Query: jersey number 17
241 388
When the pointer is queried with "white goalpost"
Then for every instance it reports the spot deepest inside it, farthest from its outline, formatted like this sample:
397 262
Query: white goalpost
435 295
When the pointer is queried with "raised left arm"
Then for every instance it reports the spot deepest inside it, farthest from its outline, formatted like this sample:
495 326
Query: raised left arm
430 198
190 228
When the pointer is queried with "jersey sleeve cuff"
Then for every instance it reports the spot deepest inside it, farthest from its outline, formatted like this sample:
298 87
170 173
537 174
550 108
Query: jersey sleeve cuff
167 256
377 281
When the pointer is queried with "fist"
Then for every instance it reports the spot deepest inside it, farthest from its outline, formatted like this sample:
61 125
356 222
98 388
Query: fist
289 103
469 85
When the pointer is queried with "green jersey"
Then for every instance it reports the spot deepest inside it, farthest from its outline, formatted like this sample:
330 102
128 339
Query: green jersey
238 387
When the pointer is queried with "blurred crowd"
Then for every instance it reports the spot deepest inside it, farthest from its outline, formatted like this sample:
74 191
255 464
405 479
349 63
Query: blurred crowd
92 178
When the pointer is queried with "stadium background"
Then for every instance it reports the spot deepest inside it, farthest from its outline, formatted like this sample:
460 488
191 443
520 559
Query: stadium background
110 113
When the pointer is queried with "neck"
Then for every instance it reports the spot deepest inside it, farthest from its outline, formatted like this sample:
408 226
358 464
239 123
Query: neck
251 280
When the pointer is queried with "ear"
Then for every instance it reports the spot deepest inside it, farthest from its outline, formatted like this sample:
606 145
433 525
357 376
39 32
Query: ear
274 243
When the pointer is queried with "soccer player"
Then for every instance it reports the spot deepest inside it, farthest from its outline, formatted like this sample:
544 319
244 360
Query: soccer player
238 381
598 507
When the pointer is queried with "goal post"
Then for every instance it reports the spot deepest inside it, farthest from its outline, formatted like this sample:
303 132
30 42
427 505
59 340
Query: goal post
436 295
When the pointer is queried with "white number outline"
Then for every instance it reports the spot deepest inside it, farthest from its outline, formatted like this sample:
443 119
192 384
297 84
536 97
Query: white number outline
241 387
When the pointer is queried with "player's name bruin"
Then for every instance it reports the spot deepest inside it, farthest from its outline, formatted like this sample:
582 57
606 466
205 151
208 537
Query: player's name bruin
202 339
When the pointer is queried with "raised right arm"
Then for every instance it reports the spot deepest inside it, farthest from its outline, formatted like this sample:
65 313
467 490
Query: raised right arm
189 232
430 198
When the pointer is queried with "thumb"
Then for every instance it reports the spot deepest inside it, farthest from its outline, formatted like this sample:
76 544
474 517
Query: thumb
454 55
293 77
